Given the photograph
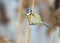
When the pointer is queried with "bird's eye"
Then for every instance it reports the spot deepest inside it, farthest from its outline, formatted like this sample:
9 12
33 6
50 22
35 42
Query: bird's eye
27 9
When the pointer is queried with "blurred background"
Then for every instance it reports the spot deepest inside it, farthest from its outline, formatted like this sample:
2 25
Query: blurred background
9 13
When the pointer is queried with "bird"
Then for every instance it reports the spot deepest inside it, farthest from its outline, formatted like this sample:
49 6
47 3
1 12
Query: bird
36 19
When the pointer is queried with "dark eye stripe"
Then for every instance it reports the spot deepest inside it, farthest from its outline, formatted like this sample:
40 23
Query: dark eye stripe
28 10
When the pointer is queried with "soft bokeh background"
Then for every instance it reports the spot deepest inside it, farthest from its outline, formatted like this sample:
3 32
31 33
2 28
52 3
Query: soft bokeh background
38 35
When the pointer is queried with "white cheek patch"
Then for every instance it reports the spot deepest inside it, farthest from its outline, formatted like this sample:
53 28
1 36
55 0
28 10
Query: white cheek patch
28 14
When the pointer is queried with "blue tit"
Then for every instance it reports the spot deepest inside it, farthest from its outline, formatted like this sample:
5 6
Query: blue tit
36 19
